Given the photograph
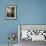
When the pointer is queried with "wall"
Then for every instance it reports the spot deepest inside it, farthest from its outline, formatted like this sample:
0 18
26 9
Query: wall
28 12
7 26
32 11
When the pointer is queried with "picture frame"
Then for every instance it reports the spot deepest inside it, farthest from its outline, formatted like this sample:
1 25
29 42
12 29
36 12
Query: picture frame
33 31
10 12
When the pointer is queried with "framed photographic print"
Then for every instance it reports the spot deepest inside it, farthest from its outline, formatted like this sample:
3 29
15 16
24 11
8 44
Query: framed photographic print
33 32
10 11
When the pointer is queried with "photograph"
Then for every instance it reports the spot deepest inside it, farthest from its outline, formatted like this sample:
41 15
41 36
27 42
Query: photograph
10 11
32 32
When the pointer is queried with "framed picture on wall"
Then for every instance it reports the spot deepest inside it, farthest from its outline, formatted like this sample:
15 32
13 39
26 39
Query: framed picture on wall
10 11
